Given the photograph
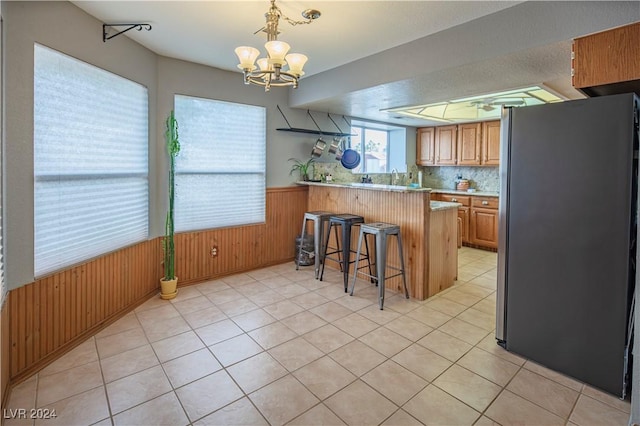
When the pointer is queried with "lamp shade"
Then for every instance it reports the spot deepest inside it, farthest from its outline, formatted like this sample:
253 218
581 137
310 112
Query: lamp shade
247 56
263 63
277 50
296 61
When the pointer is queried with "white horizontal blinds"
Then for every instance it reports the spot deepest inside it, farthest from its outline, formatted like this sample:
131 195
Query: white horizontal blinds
90 161
220 170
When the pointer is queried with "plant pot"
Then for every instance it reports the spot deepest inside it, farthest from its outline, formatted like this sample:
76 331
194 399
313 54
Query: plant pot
168 289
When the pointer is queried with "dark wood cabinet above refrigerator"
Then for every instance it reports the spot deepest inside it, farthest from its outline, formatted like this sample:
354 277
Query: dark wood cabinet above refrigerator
608 62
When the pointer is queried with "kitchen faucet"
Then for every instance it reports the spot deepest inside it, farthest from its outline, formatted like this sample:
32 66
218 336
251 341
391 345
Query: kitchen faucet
392 180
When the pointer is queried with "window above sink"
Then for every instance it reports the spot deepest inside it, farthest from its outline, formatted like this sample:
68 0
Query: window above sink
382 147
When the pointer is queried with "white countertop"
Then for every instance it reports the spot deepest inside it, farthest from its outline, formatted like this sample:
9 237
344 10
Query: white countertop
399 188
456 192
443 205
368 186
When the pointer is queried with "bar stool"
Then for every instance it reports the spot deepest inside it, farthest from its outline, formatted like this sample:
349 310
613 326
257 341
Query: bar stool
345 222
319 219
380 230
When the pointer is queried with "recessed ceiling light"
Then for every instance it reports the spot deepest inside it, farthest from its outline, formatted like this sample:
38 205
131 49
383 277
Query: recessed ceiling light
480 107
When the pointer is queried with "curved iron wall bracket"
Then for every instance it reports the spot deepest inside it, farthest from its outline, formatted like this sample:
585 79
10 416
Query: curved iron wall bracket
107 27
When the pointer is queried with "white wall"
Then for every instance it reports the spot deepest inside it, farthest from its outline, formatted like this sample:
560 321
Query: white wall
66 28
186 78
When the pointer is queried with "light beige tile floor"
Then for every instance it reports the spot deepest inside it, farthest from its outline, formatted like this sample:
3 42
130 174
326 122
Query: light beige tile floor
276 346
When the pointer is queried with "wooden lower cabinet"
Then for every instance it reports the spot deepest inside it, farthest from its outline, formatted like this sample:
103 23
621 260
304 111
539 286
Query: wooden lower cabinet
479 216
484 227
463 213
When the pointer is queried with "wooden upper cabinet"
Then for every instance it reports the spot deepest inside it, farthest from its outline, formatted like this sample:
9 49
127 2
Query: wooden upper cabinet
469 143
425 146
445 145
491 143
607 62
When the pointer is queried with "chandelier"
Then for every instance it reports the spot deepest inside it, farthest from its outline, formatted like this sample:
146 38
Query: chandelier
270 71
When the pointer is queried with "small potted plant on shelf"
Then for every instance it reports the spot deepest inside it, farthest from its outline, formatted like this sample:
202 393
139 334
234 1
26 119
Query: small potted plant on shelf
302 167
169 283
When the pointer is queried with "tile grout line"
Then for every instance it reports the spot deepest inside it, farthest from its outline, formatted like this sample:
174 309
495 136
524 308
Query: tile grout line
357 310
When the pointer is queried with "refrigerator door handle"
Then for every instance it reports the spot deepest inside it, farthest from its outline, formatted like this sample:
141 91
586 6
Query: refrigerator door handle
505 134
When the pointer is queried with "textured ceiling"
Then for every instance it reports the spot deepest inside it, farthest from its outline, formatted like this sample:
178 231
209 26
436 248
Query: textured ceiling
365 56
207 32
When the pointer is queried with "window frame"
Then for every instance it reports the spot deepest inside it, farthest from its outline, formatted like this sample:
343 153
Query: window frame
390 159
252 203
94 227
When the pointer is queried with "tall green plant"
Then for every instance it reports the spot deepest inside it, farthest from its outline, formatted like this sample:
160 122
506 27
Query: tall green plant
173 148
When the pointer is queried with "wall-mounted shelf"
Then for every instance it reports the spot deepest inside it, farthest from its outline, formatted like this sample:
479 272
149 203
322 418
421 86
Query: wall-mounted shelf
314 132
340 133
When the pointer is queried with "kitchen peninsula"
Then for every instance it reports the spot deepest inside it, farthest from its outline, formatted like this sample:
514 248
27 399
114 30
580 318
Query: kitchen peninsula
429 229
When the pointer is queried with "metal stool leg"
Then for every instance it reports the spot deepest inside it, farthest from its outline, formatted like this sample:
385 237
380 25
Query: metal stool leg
404 279
317 243
303 232
340 254
381 261
355 266
326 246
346 254
371 272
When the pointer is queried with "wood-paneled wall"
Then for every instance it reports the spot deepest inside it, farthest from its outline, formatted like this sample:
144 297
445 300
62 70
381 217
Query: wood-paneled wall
50 316
5 371
443 250
410 210
246 247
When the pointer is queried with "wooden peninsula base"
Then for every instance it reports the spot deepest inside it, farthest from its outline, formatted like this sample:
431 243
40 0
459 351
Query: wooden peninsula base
429 229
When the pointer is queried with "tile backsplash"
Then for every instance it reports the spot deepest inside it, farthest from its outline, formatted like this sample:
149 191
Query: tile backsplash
481 178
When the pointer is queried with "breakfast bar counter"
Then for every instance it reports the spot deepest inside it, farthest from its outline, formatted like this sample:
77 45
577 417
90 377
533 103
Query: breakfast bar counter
429 229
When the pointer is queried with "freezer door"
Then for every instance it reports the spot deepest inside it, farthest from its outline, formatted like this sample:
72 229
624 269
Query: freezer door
568 236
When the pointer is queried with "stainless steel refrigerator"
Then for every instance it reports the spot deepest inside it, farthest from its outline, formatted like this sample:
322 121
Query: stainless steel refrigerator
567 236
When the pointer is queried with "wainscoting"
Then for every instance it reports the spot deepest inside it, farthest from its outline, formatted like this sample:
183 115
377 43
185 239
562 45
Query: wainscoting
46 318
246 247
4 354
408 210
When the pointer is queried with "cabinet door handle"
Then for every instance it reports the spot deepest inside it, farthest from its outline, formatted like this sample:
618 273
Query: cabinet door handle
454 199
485 203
